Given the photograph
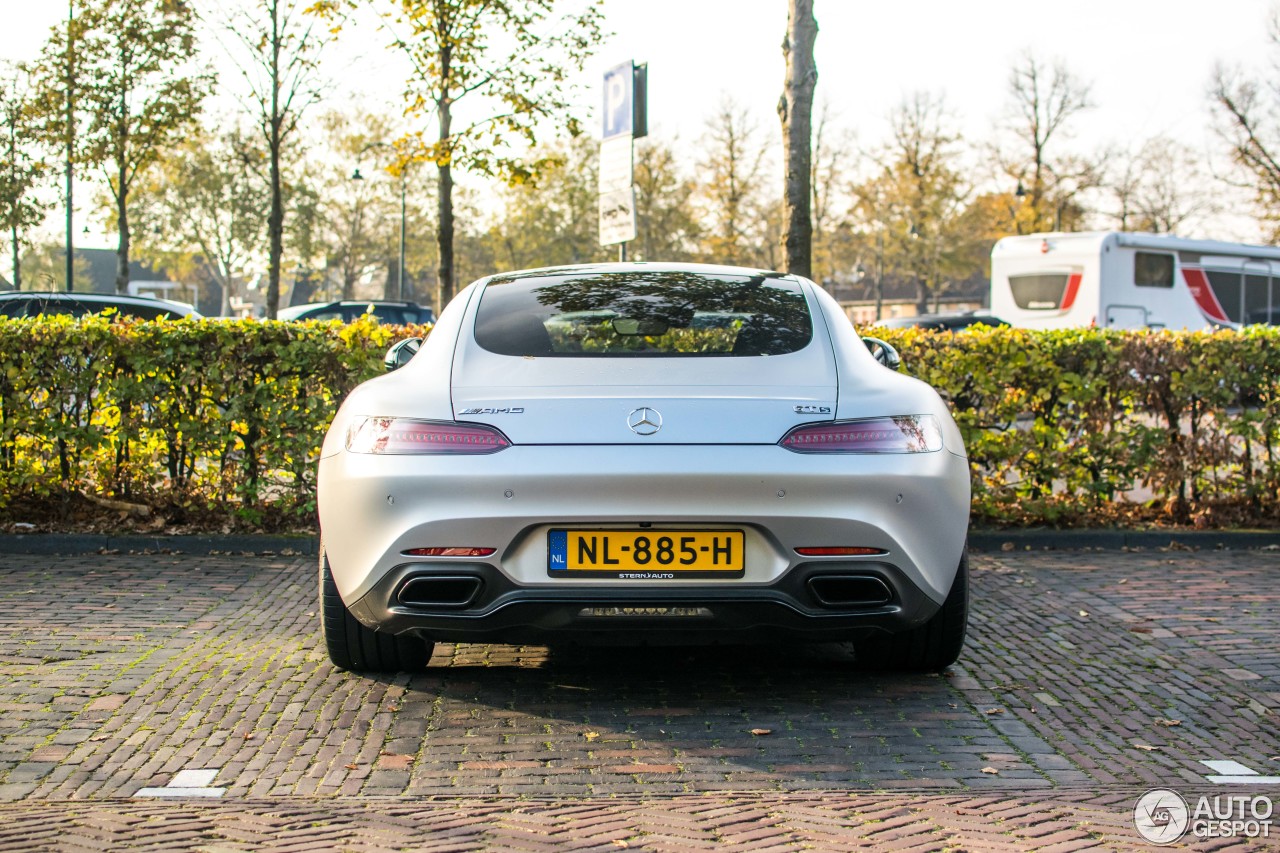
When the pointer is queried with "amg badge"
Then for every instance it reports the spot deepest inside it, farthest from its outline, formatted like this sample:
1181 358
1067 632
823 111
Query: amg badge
813 410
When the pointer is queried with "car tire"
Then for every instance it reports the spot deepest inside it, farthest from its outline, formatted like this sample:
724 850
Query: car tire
931 647
354 647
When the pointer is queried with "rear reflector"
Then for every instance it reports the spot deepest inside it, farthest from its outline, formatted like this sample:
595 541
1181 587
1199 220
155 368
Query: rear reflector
449 552
840 551
902 434
406 436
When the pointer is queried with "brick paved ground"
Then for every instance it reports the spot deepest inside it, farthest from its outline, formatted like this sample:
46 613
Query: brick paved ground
1089 677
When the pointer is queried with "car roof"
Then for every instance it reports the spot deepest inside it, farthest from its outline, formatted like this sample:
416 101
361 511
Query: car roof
635 266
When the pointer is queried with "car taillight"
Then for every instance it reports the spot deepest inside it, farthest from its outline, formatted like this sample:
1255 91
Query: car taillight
406 436
902 434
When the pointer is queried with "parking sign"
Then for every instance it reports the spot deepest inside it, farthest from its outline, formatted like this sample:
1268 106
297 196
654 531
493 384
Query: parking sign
619 90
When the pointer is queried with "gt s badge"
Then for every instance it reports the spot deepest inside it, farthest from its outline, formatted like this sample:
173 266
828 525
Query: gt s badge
813 410
512 410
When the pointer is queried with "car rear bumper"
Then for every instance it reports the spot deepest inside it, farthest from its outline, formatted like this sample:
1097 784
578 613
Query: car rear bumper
475 602
373 509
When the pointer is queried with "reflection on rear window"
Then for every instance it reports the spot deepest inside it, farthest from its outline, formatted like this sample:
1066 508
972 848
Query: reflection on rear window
659 313
1041 292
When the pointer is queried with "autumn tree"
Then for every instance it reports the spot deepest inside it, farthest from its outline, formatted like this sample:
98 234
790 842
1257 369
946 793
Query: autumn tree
1043 100
667 227
834 253
20 168
357 204
138 91
502 70
204 204
551 219
1248 115
1159 186
44 267
795 109
914 203
733 172
276 45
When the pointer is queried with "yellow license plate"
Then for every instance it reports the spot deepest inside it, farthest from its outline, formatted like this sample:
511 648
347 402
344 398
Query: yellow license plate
646 554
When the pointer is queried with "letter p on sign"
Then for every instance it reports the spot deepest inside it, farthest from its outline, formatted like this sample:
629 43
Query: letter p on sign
618 84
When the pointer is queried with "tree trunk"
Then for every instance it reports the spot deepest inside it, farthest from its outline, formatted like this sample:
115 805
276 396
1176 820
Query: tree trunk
444 240
122 222
275 219
224 285
795 109
390 287
444 225
275 227
444 201
13 160
17 262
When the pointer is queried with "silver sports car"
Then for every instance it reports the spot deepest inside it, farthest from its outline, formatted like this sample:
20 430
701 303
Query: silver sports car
643 453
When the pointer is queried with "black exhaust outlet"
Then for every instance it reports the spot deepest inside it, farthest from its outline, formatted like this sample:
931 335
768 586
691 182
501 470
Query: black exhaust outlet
431 591
849 592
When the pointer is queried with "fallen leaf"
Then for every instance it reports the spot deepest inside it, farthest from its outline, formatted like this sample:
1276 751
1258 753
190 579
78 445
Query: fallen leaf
618 842
1007 546
761 732
1140 629
1146 748
993 711
351 766
1168 723
1123 580
991 770
1084 612
591 735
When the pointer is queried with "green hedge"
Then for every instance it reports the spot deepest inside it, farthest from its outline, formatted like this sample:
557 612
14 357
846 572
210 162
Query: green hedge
1090 426
210 422
217 424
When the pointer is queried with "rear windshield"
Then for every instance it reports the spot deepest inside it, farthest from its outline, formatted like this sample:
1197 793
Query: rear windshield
1039 292
660 313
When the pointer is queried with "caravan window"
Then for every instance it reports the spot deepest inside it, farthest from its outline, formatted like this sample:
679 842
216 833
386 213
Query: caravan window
1248 294
1153 269
1228 288
1040 291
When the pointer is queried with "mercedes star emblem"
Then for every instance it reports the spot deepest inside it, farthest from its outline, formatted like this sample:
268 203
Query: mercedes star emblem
644 421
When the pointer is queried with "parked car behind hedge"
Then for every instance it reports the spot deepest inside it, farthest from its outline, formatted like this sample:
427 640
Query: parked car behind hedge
396 313
943 322
35 304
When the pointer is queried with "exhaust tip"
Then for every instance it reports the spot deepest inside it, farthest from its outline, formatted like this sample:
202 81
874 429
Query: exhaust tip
849 592
433 591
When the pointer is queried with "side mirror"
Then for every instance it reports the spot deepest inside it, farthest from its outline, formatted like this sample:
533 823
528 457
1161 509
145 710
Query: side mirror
401 352
883 353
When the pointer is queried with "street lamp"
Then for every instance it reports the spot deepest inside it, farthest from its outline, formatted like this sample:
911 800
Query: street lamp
1020 194
404 174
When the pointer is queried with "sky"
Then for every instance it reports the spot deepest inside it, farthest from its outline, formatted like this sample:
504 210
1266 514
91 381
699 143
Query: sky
1149 62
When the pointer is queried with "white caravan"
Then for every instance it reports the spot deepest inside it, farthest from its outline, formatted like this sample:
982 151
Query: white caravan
1132 281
